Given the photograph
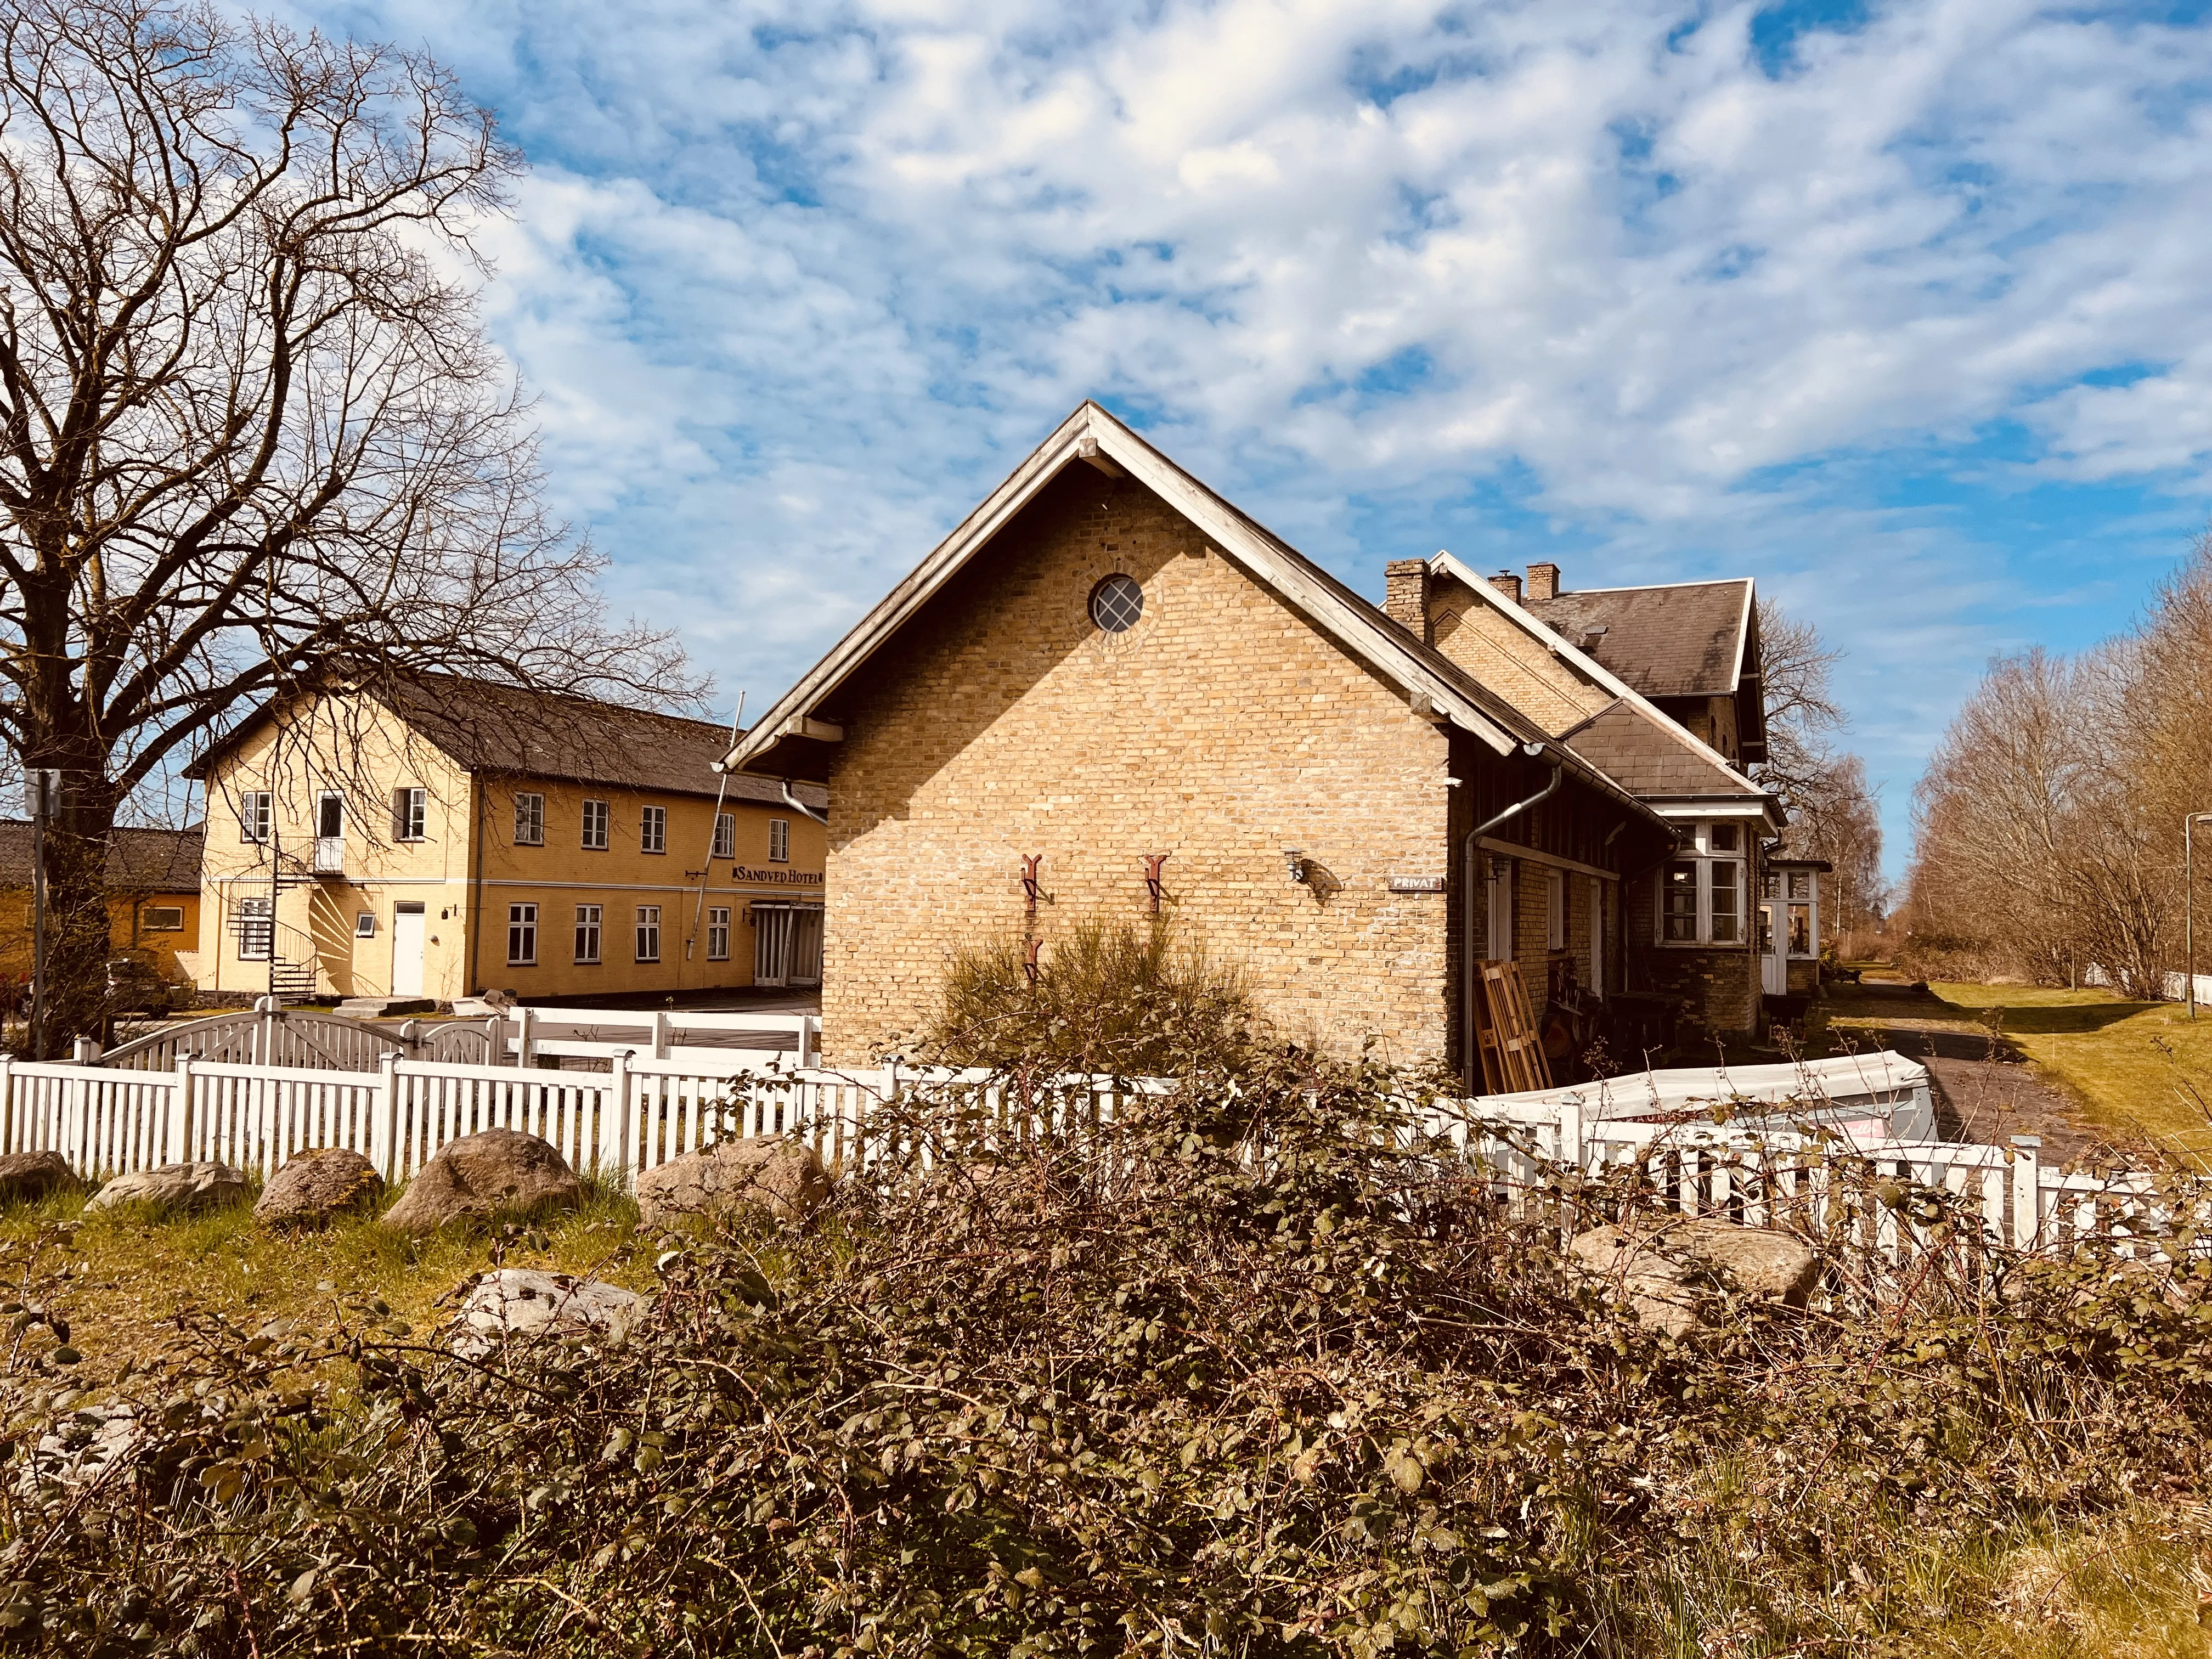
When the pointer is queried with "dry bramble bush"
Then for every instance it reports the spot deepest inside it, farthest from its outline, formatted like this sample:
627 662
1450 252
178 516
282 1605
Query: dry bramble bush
1261 1371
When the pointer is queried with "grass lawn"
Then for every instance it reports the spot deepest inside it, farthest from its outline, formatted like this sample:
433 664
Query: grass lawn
2143 1068
130 1278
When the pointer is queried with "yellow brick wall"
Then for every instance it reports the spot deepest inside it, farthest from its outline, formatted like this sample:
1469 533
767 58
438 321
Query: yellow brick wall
1220 730
1507 659
467 870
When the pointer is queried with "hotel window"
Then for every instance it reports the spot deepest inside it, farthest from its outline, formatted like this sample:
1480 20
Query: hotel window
530 820
595 826
253 813
718 934
649 932
653 830
411 814
726 835
779 841
587 933
162 919
1701 895
521 935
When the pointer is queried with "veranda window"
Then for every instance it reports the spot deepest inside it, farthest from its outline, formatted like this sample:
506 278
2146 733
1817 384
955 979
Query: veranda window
1703 897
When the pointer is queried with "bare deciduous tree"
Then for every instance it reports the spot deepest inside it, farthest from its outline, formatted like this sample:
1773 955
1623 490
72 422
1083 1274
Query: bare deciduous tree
251 437
2047 824
1833 812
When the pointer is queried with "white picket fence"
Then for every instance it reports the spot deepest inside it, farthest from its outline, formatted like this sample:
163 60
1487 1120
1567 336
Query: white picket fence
643 1111
635 1116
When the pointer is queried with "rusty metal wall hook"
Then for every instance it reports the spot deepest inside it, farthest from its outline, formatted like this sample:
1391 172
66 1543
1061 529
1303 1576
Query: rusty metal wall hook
1153 884
1030 879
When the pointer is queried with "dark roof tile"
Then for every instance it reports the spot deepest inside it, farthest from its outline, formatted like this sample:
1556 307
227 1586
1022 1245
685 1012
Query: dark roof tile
1638 751
138 860
1683 639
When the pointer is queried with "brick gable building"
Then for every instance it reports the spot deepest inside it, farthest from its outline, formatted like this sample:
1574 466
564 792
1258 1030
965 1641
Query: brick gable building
1107 664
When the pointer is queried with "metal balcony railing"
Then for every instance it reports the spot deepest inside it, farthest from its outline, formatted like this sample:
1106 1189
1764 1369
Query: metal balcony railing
329 855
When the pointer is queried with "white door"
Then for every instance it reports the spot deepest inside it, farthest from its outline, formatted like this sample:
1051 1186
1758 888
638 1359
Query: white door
409 926
772 941
1773 965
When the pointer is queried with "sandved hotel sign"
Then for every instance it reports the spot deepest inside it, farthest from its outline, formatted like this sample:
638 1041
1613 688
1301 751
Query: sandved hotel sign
791 878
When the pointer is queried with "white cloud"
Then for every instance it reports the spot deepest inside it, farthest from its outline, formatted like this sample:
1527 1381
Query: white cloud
795 284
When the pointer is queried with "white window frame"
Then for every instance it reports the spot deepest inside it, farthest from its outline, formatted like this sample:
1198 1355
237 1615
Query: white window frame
718 933
1716 869
649 932
522 935
590 920
148 925
411 813
529 820
726 835
779 841
364 924
653 829
256 817
598 814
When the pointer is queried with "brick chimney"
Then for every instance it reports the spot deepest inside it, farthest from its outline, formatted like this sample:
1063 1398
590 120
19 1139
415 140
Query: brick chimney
1406 595
1508 584
1543 582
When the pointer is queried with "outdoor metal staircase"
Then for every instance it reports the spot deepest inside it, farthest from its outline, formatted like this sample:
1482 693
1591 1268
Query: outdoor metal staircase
289 955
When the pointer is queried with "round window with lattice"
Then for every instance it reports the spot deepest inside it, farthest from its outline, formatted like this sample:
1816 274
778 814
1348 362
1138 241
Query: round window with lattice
1116 602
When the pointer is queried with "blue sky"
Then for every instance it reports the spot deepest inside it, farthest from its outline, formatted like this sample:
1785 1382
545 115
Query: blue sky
1900 309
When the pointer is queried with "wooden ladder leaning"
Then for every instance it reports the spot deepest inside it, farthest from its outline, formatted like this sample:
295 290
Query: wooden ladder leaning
1505 1032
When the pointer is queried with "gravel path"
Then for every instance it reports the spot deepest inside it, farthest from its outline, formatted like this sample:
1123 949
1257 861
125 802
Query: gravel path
1985 1089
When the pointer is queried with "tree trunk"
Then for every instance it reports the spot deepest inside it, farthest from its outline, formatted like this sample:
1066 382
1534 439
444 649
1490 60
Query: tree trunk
77 924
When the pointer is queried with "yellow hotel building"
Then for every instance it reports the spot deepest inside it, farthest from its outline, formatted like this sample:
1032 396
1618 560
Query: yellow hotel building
438 837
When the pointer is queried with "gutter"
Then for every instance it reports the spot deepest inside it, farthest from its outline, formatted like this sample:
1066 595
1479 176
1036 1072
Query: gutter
799 805
1473 1058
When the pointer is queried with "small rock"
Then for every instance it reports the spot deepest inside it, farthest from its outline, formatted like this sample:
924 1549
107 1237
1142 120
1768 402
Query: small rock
773 1173
315 1185
85 1446
1662 1271
481 1176
523 1301
173 1187
32 1174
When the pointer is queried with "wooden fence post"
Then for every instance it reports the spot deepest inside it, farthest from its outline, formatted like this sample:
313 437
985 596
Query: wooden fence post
660 1034
2026 1191
11 1132
180 1113
1571 1132
809 1041
383 1115
84 1051
526 1038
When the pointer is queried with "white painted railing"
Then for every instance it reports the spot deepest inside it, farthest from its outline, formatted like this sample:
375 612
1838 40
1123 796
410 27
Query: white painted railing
1848 1179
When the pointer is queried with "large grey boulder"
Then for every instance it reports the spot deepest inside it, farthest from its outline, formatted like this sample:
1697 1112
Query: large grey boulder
1665 1273
173 1187
780 1177
315 1185
481 1176
32 1174
524 1303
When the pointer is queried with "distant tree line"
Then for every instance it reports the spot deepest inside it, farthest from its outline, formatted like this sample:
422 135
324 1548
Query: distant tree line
2047 830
